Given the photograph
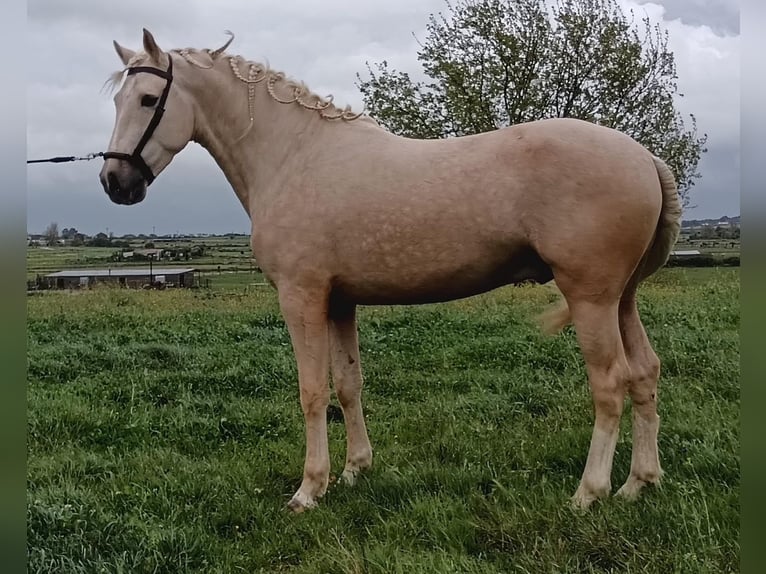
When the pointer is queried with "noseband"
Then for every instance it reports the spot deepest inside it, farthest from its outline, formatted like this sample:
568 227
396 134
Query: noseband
135 158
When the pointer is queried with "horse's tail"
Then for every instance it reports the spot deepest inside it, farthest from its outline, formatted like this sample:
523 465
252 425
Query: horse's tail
668 227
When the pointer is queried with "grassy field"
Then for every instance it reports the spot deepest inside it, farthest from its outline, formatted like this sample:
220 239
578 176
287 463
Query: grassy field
165 435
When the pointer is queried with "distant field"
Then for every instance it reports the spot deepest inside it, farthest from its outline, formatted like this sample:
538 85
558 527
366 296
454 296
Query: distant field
221 254
165 435
224 256
712 246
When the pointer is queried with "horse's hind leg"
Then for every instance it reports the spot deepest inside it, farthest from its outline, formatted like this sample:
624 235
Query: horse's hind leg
597 327
347 379
642 386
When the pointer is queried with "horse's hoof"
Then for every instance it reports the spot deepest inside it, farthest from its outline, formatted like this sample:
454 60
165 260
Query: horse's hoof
348 477
581 503
583 498
299 502
633 487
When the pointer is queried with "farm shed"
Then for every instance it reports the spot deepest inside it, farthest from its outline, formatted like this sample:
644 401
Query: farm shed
125 277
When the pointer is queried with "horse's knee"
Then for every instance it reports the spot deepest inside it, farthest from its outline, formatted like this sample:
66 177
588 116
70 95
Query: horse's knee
316 401
608 404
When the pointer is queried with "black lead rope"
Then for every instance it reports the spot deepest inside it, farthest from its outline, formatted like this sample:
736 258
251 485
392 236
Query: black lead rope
62 159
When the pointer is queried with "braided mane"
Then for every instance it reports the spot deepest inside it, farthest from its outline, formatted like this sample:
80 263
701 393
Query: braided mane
252 73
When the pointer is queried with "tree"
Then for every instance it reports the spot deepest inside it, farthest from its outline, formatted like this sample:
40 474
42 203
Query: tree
494 63
707 232
52 233
101 239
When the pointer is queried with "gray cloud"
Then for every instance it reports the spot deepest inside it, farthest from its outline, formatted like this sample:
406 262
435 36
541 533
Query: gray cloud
722 16
325 44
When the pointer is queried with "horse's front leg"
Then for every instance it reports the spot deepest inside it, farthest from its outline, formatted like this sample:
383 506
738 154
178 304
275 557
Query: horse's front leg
305 312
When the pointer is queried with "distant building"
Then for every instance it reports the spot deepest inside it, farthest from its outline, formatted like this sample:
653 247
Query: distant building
155 253
125 277
37 240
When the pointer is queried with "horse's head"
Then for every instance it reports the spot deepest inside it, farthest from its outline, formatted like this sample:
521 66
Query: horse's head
154 122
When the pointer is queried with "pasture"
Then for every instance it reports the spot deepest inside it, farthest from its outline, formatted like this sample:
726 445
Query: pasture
165 435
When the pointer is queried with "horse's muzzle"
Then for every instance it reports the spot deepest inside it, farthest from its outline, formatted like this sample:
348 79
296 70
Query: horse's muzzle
124 185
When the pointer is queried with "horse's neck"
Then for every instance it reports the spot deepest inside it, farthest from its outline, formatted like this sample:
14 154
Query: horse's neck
280 133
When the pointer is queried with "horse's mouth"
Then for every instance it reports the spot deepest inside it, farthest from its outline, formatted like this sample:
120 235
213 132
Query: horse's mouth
124 195
131 198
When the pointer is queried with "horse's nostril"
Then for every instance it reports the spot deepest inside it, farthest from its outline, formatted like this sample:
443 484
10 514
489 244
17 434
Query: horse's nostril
114 185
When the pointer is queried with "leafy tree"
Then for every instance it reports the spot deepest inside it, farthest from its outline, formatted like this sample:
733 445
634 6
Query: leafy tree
101 239
69 233
708 232
493 63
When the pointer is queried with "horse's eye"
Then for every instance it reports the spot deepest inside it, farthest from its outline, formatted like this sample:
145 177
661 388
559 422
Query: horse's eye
148 101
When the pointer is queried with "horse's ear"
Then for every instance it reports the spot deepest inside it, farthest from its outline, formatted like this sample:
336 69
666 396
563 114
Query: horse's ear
151 47
124 53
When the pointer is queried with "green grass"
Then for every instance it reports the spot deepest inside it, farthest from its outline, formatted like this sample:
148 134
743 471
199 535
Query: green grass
43 260
235 280
165 435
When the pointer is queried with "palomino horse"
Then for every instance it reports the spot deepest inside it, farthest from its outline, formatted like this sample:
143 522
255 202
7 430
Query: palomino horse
345 213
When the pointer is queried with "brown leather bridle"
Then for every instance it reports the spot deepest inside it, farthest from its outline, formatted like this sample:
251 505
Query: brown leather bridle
135 158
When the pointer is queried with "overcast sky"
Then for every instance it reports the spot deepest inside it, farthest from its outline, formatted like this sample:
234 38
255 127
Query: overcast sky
323 43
